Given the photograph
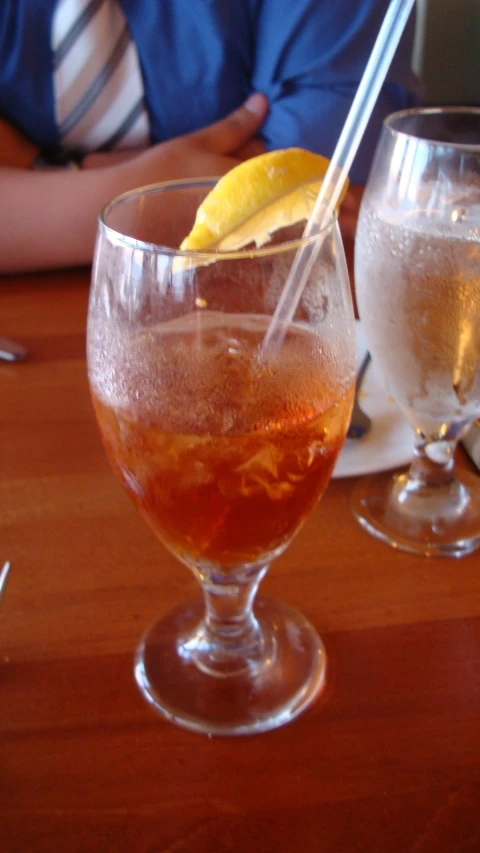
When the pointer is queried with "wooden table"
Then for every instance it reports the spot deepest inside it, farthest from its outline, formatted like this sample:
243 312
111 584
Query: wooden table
387 761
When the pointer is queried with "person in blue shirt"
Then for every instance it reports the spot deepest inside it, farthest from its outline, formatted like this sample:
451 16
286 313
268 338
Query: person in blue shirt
220 81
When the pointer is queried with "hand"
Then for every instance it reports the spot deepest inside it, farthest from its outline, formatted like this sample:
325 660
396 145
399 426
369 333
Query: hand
221 145
209 152
103 159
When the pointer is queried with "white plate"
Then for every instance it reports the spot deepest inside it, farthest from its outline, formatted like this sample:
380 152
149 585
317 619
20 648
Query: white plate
389 444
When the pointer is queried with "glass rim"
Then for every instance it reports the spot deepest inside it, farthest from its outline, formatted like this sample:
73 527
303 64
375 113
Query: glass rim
120 239
390 120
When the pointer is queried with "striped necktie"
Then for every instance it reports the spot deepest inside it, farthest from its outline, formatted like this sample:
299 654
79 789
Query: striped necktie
98 86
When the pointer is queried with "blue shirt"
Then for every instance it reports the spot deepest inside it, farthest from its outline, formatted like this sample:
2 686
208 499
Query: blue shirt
200 59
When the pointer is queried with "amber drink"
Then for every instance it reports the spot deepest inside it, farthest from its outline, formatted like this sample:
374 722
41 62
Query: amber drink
225 454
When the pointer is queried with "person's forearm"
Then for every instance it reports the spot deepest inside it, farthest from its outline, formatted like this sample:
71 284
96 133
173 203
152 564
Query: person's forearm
49 218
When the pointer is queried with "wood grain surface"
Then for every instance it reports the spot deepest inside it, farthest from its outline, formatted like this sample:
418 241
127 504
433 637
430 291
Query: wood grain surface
386 761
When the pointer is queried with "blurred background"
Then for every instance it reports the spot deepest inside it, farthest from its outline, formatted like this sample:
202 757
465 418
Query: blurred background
447 51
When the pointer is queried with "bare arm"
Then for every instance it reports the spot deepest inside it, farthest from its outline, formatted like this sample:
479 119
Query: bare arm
48 219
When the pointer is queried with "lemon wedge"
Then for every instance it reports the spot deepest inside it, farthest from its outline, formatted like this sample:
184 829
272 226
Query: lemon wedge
256 198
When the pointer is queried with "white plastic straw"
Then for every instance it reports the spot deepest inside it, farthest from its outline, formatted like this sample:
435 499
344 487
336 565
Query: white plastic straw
367 93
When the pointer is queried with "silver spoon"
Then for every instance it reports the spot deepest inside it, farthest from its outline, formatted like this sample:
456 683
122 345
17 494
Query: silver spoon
360 423
3 577
11 351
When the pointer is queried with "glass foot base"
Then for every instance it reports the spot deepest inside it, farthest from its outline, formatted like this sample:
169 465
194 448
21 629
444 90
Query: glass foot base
243 703
420 522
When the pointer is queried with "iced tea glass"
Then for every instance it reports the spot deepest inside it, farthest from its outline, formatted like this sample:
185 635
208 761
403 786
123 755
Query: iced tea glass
223 448
417 274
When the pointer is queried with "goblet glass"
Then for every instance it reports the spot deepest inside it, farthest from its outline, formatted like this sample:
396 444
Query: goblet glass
417 274
224 447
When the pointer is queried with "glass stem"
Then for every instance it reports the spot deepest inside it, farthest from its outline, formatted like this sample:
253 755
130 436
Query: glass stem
430 492
230 639
433 462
